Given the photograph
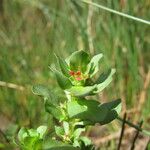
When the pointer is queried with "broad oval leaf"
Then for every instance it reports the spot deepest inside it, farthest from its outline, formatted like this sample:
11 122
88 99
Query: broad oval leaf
113 110
43 91
93 66
81 91
79 61
62 80
104 80
41 130
22 134
55 111
59 131
40 90
63 66
93 111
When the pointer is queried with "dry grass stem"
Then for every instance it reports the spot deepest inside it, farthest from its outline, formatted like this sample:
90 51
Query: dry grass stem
11 85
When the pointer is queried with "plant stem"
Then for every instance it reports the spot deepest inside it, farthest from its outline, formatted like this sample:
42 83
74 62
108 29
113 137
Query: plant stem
136 136
117 12
122 132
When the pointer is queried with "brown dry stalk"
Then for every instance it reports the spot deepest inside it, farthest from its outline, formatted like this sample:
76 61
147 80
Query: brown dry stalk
11 85
144 92
113 136
89 29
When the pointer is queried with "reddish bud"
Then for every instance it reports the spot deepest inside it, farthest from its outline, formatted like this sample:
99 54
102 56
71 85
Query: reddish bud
72 73
78 73
78 78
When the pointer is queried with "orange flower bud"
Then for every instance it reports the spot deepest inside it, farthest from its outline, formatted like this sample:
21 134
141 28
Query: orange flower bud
78 73
72 73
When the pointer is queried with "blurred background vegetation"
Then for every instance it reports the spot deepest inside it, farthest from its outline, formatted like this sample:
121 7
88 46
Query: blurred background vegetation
31 31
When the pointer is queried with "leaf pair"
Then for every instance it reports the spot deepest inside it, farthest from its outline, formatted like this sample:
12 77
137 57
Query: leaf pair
93 112
80 60
30 138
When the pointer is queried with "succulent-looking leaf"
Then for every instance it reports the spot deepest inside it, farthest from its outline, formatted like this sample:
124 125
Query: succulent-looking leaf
33 133
22 134
41 130
43 91
63 66
93 111
79 61
78 132
51 104
62 80
104 80
55 111
66 127
59 131
86 140
93 66
31 138
32 143
81 91
40 90
57 145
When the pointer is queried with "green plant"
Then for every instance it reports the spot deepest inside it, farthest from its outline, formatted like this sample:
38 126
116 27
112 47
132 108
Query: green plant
78 110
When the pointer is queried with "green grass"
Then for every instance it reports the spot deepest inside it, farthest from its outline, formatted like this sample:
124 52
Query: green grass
31 31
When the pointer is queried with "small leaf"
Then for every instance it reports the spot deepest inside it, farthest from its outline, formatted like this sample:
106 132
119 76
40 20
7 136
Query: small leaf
93 66
40 90
104 80
55 111
81 91
85 140
78 132
22 134
43 91
57 145
33 133
78 61
59 131
66 127
32 143
41 130
62 80
63 66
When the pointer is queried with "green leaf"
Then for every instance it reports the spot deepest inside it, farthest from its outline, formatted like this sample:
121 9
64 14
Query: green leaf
31 138
55 111
78 132
113 109
33 143
41 130
63 66
93 66
66 127
85 140
51 104
57 145
46 93
40 90
59 131
33 133
92 111
81 91
62 80
78 61
104 80
22 134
